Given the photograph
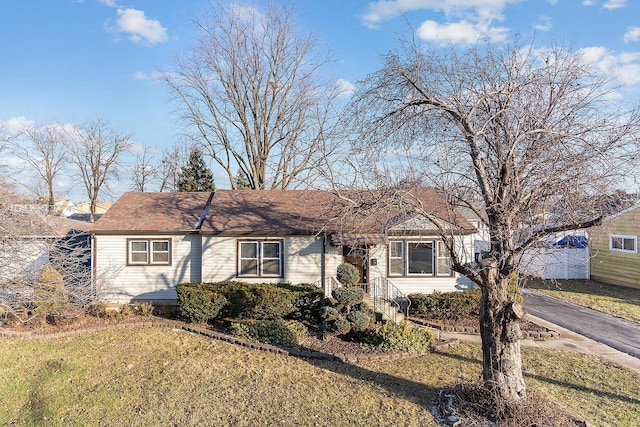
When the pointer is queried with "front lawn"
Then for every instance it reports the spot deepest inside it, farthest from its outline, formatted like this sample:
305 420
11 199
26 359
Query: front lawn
614 300
162 377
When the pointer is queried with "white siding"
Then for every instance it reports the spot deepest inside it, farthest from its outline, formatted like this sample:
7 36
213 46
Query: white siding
302 259
409 285
122 283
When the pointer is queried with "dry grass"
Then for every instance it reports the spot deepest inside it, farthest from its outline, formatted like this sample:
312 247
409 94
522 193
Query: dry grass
615 300
161 377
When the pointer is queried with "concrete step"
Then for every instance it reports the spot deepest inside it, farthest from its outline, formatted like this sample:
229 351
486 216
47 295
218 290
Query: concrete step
387 310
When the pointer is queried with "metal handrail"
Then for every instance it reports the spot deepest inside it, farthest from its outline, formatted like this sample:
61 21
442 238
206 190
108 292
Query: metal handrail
384 293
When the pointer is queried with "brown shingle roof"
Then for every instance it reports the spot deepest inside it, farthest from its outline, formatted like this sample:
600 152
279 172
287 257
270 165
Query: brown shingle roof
352 214
153 213
356 213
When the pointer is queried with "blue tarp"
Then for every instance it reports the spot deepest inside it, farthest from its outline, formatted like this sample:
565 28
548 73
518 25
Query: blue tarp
579 242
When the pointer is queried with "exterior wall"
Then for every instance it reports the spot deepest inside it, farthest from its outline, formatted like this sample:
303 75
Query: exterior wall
302 259
618 268
121 283
424 285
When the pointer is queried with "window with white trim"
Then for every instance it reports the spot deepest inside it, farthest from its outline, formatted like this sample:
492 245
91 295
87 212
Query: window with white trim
396 258
443 260
623 243
419 258
149 251
260 258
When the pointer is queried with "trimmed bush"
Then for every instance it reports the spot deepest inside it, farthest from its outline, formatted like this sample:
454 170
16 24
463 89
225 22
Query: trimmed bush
198 302
366 309
449 305
276 331
328 314
342 325
359 320
347 274
348 297
400 337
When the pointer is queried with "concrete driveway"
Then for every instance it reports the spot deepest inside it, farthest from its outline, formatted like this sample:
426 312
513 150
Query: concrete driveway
614 332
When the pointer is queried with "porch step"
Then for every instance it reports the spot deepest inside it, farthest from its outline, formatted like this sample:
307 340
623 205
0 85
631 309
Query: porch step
387 310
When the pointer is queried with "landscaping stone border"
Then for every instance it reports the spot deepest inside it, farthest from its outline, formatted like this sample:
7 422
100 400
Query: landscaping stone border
534 335
176 324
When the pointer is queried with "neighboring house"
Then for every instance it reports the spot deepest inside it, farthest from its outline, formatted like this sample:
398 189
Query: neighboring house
614 249
31 240
153 241
82 211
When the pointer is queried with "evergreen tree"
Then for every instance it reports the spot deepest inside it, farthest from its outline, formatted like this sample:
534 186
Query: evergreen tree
242 180
196 175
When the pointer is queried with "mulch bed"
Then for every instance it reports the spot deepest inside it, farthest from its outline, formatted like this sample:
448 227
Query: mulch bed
530 330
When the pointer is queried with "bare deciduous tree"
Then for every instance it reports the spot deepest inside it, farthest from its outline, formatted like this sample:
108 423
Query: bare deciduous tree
144 171
95 151
527 138
251 92
172 158
46 156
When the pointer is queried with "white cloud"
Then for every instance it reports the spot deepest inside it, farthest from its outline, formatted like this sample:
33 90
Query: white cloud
625 67
462 32
140 28
110 3
543 23
552 2
615 4
141 75
345 87
16 125
632 35
467 21
589 2
383 10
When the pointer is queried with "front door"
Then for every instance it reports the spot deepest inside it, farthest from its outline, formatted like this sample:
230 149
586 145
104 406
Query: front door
358 257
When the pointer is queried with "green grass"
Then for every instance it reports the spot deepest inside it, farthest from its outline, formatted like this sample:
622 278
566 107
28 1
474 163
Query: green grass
615 300
161 377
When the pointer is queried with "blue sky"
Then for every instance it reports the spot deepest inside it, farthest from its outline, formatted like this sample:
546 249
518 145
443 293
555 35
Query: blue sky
73 60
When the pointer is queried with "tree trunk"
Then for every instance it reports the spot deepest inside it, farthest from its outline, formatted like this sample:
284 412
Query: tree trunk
501 334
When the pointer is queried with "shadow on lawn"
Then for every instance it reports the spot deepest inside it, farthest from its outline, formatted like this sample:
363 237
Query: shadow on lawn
564 384
413 391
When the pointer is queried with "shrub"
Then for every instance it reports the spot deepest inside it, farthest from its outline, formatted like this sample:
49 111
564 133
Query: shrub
348 297
143 308
328 314
276 331
48 295
342 325
255 301
449 305
260 301
347 274
359 320
307 299
198 302
269 302
400 337
366 309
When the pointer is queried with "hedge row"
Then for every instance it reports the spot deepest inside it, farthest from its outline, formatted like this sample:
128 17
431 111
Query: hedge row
201 302
449 305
